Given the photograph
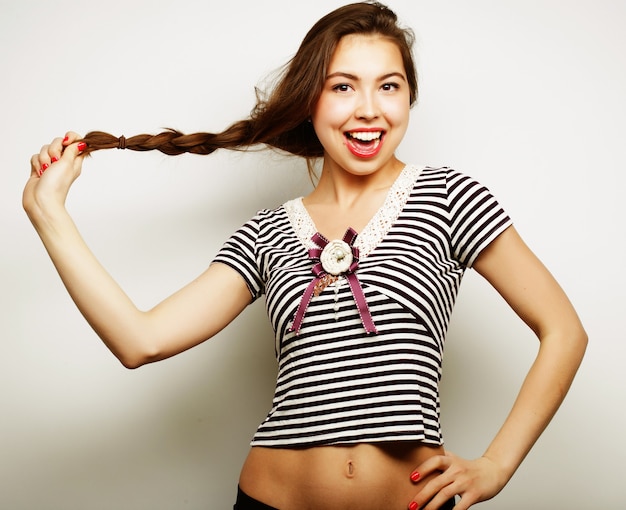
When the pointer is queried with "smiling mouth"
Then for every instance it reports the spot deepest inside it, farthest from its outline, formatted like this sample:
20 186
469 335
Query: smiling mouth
364 144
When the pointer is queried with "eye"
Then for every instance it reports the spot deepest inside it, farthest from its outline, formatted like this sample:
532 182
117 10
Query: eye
341 87
391 86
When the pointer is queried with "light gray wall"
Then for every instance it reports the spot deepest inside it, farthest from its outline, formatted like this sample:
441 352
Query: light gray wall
526 96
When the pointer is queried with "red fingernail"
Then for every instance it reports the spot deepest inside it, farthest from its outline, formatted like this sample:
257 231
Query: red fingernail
66 139
54 160
44 167
413 506
81 146
415 476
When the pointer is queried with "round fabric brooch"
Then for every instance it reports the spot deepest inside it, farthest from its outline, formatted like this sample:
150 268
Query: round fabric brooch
330 260
336 257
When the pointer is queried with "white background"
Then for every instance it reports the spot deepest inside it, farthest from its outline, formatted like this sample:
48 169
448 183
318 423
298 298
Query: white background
526 96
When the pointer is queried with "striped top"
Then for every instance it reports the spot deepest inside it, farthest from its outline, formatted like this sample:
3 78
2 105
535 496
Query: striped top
336 384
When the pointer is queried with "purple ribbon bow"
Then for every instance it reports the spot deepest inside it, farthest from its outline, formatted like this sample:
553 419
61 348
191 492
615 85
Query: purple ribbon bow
323 278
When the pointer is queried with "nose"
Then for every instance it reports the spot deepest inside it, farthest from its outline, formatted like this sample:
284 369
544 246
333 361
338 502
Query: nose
368 107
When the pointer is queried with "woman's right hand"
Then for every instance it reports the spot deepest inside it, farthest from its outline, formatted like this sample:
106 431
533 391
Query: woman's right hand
53 170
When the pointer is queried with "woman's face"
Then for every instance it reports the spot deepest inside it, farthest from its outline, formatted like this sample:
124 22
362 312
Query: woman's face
363 110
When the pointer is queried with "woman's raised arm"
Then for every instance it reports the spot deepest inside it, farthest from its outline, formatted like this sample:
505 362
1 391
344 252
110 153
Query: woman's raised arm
188 317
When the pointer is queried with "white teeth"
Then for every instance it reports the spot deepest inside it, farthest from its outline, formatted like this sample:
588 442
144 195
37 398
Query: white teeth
366 136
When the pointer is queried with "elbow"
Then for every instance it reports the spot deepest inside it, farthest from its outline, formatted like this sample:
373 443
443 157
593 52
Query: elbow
570 335
578 341
579 338
131 363
132 341
138 357
583 341
567 346
577 349
575 345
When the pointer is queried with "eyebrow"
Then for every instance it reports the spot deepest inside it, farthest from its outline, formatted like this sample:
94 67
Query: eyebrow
341 74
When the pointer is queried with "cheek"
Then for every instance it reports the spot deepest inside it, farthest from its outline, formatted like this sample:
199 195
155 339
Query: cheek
397 112
331 113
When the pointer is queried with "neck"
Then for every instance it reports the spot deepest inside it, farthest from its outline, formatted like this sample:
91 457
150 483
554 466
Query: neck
339 186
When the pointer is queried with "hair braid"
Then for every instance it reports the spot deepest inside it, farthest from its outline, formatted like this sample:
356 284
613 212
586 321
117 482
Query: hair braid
281 119
172 142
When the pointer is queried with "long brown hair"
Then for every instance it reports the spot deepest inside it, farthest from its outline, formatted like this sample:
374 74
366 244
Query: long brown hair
281 119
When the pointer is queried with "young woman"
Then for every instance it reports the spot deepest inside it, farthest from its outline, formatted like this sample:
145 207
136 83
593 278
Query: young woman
360 278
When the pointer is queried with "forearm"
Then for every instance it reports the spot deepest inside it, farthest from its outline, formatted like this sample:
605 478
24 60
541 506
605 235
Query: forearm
106 307
540 396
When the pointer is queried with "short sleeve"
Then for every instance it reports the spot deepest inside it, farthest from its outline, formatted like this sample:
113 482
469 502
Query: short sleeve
476 217
239 253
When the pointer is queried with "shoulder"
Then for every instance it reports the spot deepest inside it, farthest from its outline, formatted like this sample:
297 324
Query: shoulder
444 174
437 175
268 226
442 181
268 216
449 181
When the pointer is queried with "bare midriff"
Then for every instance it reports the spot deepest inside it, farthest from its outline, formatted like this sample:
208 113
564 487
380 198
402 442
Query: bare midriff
363 476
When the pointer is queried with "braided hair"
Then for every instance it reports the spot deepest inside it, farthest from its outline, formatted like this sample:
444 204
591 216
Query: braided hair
281 120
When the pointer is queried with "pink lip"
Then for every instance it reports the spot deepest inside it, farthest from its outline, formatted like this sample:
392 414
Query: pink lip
362 151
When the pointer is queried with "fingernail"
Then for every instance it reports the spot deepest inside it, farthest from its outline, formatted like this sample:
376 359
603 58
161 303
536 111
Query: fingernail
415 476
413 506
66 139
54 160
44 167
81 146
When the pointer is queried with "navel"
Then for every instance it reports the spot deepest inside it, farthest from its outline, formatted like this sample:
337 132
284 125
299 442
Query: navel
350 469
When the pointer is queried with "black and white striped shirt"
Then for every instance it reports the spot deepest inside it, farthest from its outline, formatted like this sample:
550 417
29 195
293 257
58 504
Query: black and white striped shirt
337 384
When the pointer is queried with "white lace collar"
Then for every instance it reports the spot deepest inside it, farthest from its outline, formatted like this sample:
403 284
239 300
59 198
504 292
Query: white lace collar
378 226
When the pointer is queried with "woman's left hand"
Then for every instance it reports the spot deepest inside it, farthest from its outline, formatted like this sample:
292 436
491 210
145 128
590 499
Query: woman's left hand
472 480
